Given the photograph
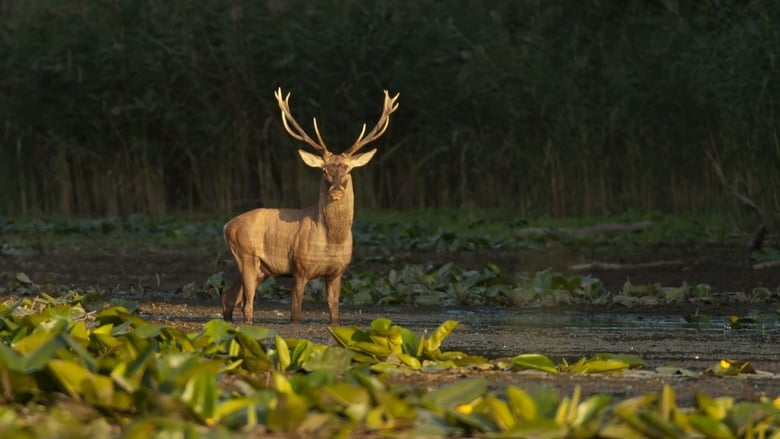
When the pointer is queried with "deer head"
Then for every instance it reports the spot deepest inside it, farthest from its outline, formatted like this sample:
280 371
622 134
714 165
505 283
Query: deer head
336 168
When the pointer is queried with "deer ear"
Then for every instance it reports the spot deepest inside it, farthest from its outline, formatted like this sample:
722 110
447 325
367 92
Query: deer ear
310 159
359 160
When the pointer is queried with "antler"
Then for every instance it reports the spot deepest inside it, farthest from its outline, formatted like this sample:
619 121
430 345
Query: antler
299 134
390 105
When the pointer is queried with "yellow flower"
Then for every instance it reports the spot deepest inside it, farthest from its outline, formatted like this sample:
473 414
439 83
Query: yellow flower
466 409
724 364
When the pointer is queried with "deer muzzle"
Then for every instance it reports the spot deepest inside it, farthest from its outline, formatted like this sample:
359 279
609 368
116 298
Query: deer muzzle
335 194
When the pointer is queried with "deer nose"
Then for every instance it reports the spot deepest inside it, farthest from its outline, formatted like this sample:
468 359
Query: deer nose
336 192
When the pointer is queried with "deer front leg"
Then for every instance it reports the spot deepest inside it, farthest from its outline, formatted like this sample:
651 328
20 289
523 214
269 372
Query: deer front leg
334 291
231 297
299 284
250 277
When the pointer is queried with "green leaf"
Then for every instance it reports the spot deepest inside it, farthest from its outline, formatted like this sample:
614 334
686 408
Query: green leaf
591 409
657 425
231 407
498 411
410 343
633 361
81 384
257 333
597 366
711 428
348 336
433 343
301 351
354 401
44 353
290 411
10 359
535 362
200 394
452 395
215 330
716 408
333 358
381 325
522 405
283 353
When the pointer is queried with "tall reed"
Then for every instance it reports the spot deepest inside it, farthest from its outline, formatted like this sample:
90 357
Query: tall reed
556 108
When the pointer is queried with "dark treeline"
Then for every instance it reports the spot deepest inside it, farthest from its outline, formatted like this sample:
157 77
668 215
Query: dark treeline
543 107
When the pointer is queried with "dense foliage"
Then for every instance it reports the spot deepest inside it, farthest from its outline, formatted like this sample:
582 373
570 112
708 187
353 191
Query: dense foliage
70 367
554 107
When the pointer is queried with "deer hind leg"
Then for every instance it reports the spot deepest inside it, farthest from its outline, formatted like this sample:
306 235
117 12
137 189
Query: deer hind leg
251 277
299 284
334 291
231 297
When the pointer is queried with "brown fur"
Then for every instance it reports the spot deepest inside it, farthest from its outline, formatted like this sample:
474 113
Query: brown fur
305 243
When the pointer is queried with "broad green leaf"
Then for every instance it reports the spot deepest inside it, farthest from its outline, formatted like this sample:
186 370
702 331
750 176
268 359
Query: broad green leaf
716 408
200 394
280 383
80 333
381 325
250 346
438 365
354 401
160 428
81 384
535 362
33 342
727 367
117 315
671 370
539 429
633 361
667 403
567 410
410 361
44 353
231 407
597 366
434 341
411 343
147 331
10 359
215 330
522 405
347 336
333 358
301 351
256 333
80 351
379 351
711 428
450 396
283 353
288 414
589 413
498 411
660 426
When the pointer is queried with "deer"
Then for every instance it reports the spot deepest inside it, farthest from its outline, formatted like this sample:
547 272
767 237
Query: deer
304 243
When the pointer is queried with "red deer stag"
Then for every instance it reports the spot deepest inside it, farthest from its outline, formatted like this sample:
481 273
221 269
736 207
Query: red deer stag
305 243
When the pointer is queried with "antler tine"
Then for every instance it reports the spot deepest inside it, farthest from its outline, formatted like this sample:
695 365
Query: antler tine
390 105
299 133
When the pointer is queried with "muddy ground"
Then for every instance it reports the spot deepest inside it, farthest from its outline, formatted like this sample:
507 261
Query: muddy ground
156 275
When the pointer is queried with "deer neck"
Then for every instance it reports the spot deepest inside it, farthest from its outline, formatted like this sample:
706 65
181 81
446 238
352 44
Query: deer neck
336 216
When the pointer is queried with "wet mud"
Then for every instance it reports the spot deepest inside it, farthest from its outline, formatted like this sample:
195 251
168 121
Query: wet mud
688 337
